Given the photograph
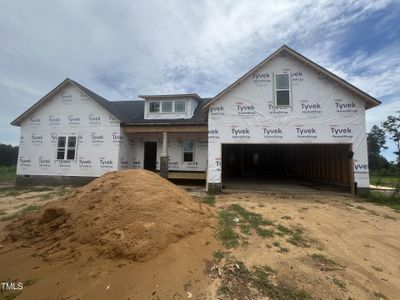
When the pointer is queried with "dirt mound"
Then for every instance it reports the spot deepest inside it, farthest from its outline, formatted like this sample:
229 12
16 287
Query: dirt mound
132 214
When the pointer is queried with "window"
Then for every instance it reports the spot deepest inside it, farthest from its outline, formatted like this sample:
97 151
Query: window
154 107
180 106
66 147
188 151
282 90
166 106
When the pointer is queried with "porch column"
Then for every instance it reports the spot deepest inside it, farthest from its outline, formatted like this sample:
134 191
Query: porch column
164 157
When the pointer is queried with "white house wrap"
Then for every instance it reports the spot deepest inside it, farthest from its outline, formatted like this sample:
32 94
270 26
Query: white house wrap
287 117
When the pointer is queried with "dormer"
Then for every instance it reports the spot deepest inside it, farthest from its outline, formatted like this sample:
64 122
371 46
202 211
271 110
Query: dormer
169 107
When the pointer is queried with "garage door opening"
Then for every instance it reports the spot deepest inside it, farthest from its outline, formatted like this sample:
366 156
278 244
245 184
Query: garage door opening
318 166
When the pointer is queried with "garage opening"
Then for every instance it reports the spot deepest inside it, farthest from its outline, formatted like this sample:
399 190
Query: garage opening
318 166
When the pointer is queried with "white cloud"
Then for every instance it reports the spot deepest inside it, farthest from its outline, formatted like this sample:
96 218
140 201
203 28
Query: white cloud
124 48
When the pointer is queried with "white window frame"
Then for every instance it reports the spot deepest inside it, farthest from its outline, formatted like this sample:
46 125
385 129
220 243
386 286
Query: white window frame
289 89
160 111
66 148
183 151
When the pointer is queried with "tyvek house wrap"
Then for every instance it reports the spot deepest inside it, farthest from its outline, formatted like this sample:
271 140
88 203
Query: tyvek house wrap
321 112
69 113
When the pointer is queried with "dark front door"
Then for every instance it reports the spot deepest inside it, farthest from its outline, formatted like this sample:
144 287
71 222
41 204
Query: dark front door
150 155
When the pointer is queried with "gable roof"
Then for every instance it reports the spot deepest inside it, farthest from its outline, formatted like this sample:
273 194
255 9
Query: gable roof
100 100
128 112
370 101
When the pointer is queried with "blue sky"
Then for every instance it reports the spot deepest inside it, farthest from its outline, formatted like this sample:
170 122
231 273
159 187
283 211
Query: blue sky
124 48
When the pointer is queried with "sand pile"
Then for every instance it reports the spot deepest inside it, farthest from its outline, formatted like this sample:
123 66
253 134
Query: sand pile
132 214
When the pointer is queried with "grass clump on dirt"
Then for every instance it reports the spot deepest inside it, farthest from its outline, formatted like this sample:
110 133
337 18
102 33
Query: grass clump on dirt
240 282
297 238
236 216
16 190
225 231
20 213
325 262
210 200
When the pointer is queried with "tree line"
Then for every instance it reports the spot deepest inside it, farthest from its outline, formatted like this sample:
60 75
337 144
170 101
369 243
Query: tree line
8 155
376 140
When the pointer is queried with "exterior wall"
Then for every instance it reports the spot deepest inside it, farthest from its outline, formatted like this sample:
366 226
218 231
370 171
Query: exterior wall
132 150
321 112
70 112
191 105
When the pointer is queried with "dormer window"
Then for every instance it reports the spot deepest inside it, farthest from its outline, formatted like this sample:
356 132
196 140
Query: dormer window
167 106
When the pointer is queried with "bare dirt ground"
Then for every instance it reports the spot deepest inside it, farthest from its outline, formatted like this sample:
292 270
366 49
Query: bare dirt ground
353 249
347 249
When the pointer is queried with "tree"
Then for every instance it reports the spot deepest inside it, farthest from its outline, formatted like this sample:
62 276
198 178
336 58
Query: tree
376 142
392 128
8 155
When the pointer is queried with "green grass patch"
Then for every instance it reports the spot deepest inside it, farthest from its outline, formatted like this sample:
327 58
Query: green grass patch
226 229
210 200
218 255
7 173
389 181
16 190
22 212
390 199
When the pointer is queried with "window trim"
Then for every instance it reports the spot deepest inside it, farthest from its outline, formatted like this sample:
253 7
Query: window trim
66 147
167 112
289 89
183 151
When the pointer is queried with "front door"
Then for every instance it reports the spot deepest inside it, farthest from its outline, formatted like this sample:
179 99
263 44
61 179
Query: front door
150 155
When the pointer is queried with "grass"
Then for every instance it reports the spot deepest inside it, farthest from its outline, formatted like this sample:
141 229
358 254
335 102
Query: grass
7 173
225 231
20 213
16 191
391 200
218 255
340 283
236 217
236 281
390 181
326 262
379 295
297 238
210 200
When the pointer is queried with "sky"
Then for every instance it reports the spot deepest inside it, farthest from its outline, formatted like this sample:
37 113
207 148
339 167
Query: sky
124 48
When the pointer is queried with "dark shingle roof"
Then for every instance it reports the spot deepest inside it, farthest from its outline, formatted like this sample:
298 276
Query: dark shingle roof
128 112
